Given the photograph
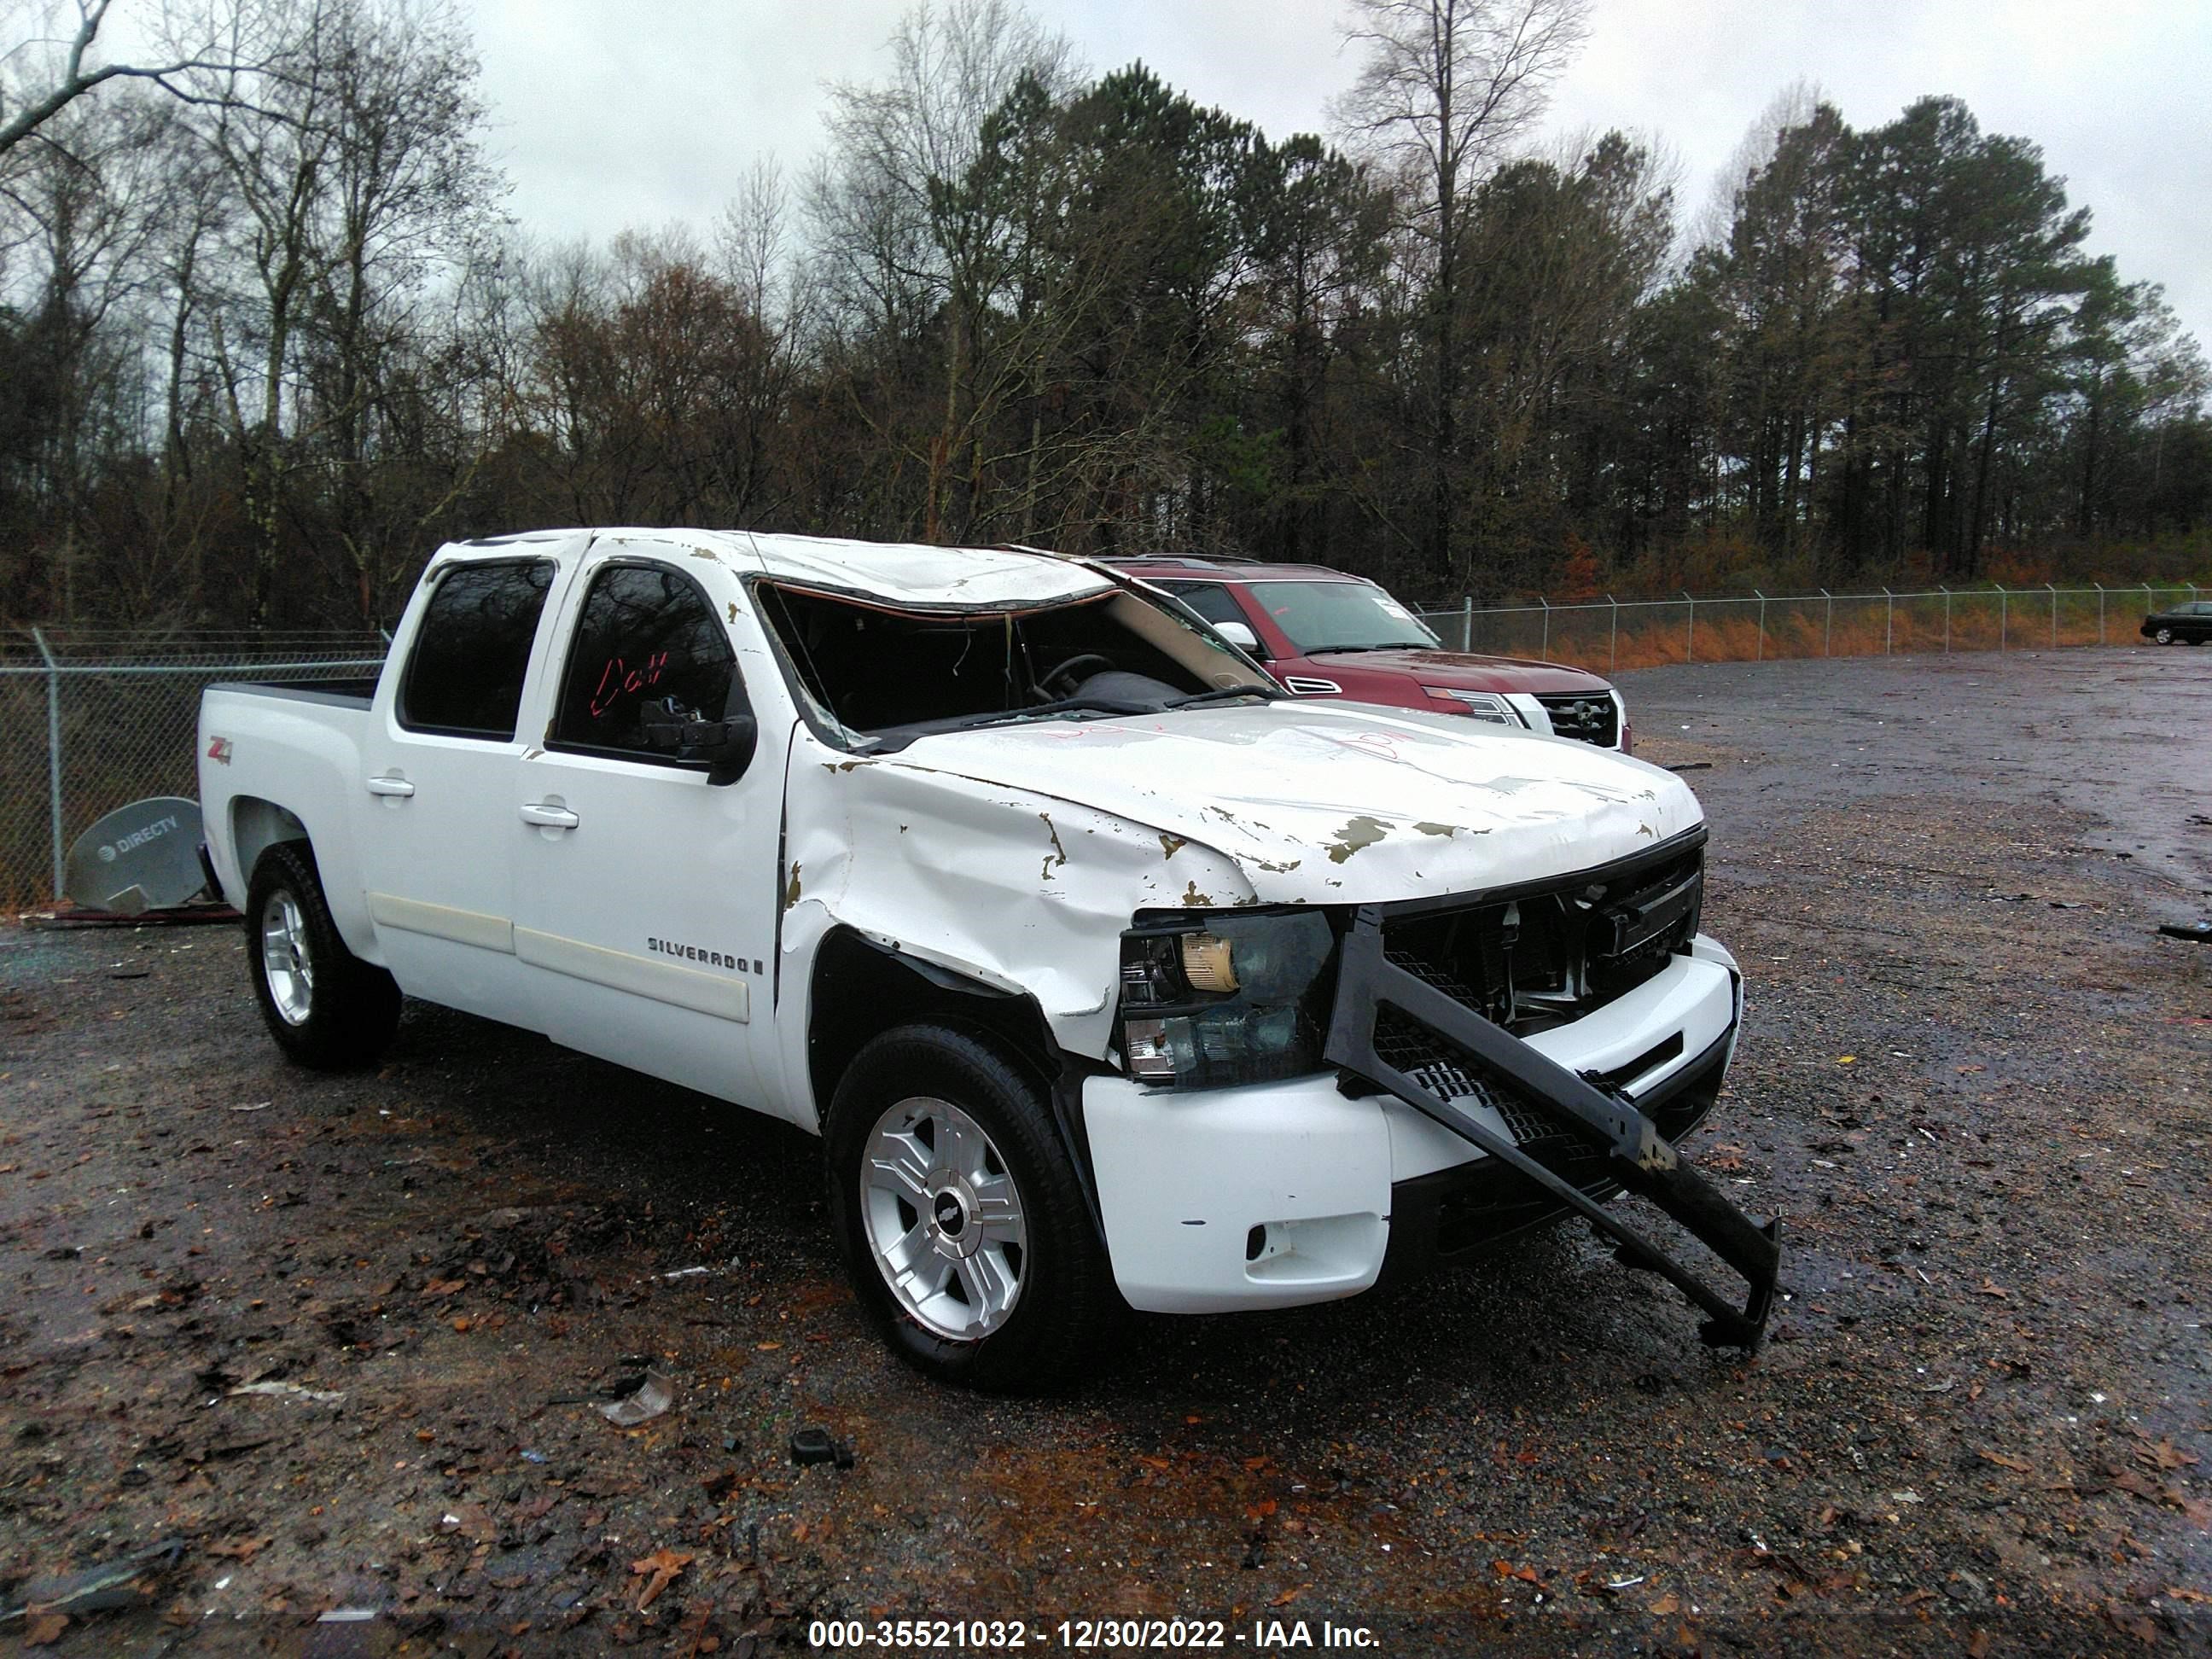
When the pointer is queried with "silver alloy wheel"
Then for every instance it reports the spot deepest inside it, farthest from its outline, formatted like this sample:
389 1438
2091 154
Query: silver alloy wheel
2165 636
943 1218
286 962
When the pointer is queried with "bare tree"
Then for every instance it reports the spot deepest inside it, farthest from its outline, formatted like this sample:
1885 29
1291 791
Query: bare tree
53 60
86 196
1448 85
893 203
367 171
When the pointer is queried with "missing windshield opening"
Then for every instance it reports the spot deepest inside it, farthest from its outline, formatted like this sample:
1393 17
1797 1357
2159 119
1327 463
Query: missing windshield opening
878 670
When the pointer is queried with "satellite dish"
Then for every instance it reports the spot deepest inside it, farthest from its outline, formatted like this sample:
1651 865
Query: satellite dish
142 857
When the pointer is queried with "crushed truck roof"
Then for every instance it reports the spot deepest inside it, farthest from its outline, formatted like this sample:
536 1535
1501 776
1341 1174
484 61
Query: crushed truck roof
903 573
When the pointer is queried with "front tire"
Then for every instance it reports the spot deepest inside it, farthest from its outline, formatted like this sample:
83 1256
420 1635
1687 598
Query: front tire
2164 637
956 1207
326 1007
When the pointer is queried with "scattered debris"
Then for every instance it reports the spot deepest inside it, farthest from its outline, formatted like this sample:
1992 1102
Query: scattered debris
812 1445
654 1395
2197 931
289 1391
660 1570
113 1584
1687 766
346 1616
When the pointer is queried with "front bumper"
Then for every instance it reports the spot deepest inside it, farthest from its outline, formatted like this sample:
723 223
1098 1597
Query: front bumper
1281 1194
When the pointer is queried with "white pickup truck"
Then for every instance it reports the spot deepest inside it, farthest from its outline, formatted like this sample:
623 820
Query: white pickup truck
1110 977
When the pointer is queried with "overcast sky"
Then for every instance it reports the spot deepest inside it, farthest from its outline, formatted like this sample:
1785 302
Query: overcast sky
608 116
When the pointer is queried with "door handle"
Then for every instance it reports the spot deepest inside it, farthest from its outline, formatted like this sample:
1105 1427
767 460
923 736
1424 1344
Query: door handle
395 788
546 816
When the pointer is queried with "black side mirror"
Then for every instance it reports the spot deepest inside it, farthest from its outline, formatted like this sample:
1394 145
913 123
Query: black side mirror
725 746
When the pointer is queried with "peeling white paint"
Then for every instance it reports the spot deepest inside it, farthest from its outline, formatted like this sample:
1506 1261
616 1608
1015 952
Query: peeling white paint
1316 802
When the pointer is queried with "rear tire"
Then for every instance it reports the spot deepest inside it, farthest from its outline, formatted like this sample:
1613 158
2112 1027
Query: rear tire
326 1007
955 1205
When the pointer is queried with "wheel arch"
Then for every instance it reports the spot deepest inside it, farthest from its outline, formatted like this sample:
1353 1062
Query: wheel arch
257 825
861 986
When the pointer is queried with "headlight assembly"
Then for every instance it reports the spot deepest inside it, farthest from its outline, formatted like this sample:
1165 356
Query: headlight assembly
1226 998
1483 705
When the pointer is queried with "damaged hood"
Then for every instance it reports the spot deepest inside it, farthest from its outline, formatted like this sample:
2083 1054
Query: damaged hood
1335 804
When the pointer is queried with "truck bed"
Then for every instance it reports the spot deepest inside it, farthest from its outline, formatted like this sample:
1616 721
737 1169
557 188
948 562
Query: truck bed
336 694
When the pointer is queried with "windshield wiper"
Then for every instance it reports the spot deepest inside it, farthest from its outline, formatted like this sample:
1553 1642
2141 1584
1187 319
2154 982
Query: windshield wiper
1385 645
1078 704
1270 693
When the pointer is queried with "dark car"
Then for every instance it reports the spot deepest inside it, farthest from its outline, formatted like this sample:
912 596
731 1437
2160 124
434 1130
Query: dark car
2184 624
1323 634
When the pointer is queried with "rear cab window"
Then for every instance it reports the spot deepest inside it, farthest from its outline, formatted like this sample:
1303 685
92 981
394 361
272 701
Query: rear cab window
464 672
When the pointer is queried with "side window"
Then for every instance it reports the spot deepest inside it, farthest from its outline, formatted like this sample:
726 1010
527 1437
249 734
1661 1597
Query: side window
646 636
465 675
1211 600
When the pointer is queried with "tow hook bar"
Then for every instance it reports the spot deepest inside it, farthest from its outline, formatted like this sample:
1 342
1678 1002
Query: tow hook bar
1638 1156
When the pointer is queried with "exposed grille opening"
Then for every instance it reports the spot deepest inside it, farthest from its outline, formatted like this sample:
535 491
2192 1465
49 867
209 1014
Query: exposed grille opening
1496 1202
1541 959
1441 1068
1658 1054
1586 717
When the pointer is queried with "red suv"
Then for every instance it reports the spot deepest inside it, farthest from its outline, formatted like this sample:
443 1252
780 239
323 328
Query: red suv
1323 634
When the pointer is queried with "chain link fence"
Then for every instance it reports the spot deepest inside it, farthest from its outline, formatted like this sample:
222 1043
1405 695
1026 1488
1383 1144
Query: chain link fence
1607 636
92 721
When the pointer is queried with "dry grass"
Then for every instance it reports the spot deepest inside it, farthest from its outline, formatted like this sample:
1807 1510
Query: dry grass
1732 630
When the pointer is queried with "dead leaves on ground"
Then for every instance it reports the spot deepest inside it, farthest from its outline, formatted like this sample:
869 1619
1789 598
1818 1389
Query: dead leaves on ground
660 1569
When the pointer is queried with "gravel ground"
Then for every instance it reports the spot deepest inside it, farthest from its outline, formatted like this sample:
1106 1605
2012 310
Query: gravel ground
1973 1082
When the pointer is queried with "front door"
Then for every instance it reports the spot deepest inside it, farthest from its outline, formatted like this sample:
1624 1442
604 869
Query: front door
644 896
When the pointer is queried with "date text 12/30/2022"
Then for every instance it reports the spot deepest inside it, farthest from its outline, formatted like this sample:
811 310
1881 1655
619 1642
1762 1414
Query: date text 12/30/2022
1088 1635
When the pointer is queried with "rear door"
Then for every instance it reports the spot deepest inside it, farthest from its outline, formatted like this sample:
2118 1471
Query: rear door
644 896
436 814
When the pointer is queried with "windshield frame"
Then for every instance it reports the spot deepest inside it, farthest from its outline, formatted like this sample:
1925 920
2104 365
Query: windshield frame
887 740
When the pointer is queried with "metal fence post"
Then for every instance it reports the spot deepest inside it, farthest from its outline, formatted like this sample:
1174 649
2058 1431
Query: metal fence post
1828 621
1613 645
1467 623
1760 656
2099 586
1691 654
2053 587
54 751
1946 618
1889 623
2004 615
1544 653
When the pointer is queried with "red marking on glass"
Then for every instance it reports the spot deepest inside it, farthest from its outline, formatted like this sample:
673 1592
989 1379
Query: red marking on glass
618 680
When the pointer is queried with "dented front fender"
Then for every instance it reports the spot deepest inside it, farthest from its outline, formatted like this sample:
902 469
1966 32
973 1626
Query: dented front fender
1011 888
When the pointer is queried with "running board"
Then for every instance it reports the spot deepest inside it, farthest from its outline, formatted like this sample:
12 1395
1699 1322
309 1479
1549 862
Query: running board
1638 1157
